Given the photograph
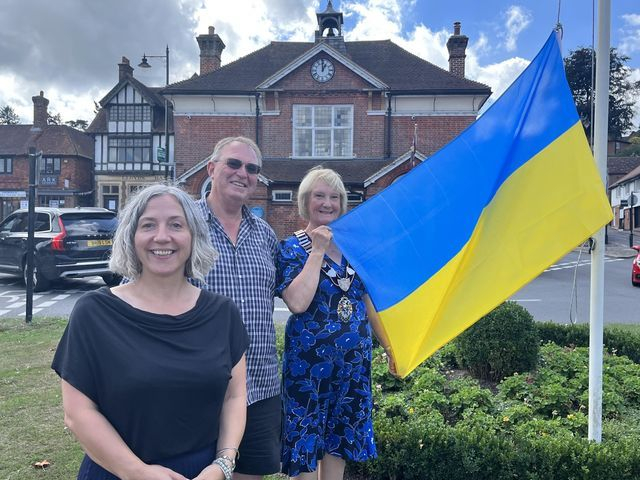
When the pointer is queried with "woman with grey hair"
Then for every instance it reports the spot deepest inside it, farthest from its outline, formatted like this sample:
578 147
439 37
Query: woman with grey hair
326 369
153 371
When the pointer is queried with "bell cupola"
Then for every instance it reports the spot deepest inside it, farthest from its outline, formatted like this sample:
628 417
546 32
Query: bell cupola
330 28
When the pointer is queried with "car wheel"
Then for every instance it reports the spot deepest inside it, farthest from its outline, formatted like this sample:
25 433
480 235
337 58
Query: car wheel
40 284
635 284
111 279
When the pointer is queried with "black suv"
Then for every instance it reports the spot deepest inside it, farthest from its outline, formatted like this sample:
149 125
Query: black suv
69 242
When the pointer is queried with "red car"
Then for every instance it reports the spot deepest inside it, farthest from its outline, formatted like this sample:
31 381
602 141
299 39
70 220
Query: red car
635 268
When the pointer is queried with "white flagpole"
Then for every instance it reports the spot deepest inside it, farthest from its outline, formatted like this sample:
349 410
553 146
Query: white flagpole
601 121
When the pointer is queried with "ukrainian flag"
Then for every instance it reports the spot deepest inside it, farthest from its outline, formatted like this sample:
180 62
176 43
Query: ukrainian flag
482 217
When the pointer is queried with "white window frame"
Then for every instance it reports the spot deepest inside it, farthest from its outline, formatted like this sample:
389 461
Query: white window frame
313 128
275 193
353 200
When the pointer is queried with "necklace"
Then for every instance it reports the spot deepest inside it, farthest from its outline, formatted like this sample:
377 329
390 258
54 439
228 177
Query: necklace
345 307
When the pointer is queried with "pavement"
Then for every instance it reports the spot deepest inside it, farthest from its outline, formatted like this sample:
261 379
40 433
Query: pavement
617 244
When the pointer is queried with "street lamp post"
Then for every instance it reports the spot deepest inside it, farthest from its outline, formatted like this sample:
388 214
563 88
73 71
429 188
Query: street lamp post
145 64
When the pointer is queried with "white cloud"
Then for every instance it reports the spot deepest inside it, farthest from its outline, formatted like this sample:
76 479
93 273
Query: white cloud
242 34
376 19
499 76
517 19
630 35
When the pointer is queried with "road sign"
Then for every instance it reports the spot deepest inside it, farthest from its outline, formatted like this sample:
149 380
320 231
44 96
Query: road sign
162 155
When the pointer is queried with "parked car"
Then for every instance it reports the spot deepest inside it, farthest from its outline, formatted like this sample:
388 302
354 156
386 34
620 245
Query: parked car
635 268
69 242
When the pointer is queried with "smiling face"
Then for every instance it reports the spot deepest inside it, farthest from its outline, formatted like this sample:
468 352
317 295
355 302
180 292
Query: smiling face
163 239
231 185
323 204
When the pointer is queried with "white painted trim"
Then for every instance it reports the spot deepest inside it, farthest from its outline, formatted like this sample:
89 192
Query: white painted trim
458 113
387 168
282 200
208 114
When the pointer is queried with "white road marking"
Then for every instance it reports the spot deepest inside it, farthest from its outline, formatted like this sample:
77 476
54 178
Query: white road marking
564 266
60 297
46 304
16 305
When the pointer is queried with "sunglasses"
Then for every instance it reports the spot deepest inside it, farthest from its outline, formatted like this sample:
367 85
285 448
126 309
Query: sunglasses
235 164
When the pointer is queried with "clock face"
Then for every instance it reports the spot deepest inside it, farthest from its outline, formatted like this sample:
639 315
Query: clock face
322 70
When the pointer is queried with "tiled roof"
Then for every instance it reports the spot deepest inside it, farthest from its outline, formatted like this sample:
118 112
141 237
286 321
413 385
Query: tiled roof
633 174
150 94
621 165
354 171
399 69
52 140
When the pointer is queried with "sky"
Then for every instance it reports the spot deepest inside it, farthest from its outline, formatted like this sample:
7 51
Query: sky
69 49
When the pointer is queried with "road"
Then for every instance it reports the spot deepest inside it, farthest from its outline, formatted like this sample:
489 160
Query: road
552 296
548 297
63 295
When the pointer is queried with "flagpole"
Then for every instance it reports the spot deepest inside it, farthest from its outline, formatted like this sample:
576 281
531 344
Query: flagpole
601 121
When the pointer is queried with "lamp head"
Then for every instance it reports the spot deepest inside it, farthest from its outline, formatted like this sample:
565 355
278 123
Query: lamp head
144 63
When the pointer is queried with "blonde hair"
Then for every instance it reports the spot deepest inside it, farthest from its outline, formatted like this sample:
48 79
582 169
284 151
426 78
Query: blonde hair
328 176
124 260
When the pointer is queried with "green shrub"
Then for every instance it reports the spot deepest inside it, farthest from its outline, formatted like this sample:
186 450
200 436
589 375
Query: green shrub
616 340
503 342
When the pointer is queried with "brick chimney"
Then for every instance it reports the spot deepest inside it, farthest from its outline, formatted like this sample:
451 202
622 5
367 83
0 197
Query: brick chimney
40 113
211 47
124 69
457 45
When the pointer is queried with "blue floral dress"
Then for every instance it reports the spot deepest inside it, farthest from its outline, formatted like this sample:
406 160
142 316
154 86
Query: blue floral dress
326 372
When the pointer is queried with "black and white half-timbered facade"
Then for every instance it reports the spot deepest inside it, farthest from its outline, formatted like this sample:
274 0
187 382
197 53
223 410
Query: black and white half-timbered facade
129 133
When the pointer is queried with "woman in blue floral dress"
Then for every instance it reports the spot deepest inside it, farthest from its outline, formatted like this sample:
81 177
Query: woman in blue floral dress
327 355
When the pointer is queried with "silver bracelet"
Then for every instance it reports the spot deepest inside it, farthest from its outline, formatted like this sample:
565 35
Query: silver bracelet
235 450
226 471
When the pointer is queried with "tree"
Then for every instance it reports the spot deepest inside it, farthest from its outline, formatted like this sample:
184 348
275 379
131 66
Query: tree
622 91
78 124
54 119
8 116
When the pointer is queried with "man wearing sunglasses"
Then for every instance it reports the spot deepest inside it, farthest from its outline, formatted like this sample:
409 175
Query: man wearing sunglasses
245 272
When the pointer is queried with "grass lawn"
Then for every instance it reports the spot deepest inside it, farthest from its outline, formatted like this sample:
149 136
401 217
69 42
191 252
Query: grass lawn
31 419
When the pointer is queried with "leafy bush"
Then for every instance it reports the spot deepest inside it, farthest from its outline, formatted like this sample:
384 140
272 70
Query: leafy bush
438 424
616 340
503 342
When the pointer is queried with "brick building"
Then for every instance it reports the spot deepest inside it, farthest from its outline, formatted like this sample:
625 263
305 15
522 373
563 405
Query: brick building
64 175
351 106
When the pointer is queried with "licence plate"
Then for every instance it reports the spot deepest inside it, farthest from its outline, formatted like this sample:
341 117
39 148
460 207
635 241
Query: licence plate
98 243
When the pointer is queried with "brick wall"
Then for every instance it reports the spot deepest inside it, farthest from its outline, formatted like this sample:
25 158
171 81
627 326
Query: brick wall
196 136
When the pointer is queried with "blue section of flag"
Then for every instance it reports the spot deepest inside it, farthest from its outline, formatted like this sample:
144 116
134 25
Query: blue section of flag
401 237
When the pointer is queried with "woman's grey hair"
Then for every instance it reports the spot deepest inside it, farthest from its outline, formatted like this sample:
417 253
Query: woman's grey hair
215 156
331 178
124 260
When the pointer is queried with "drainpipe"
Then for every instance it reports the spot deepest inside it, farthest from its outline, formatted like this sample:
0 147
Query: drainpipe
258 119
387 146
